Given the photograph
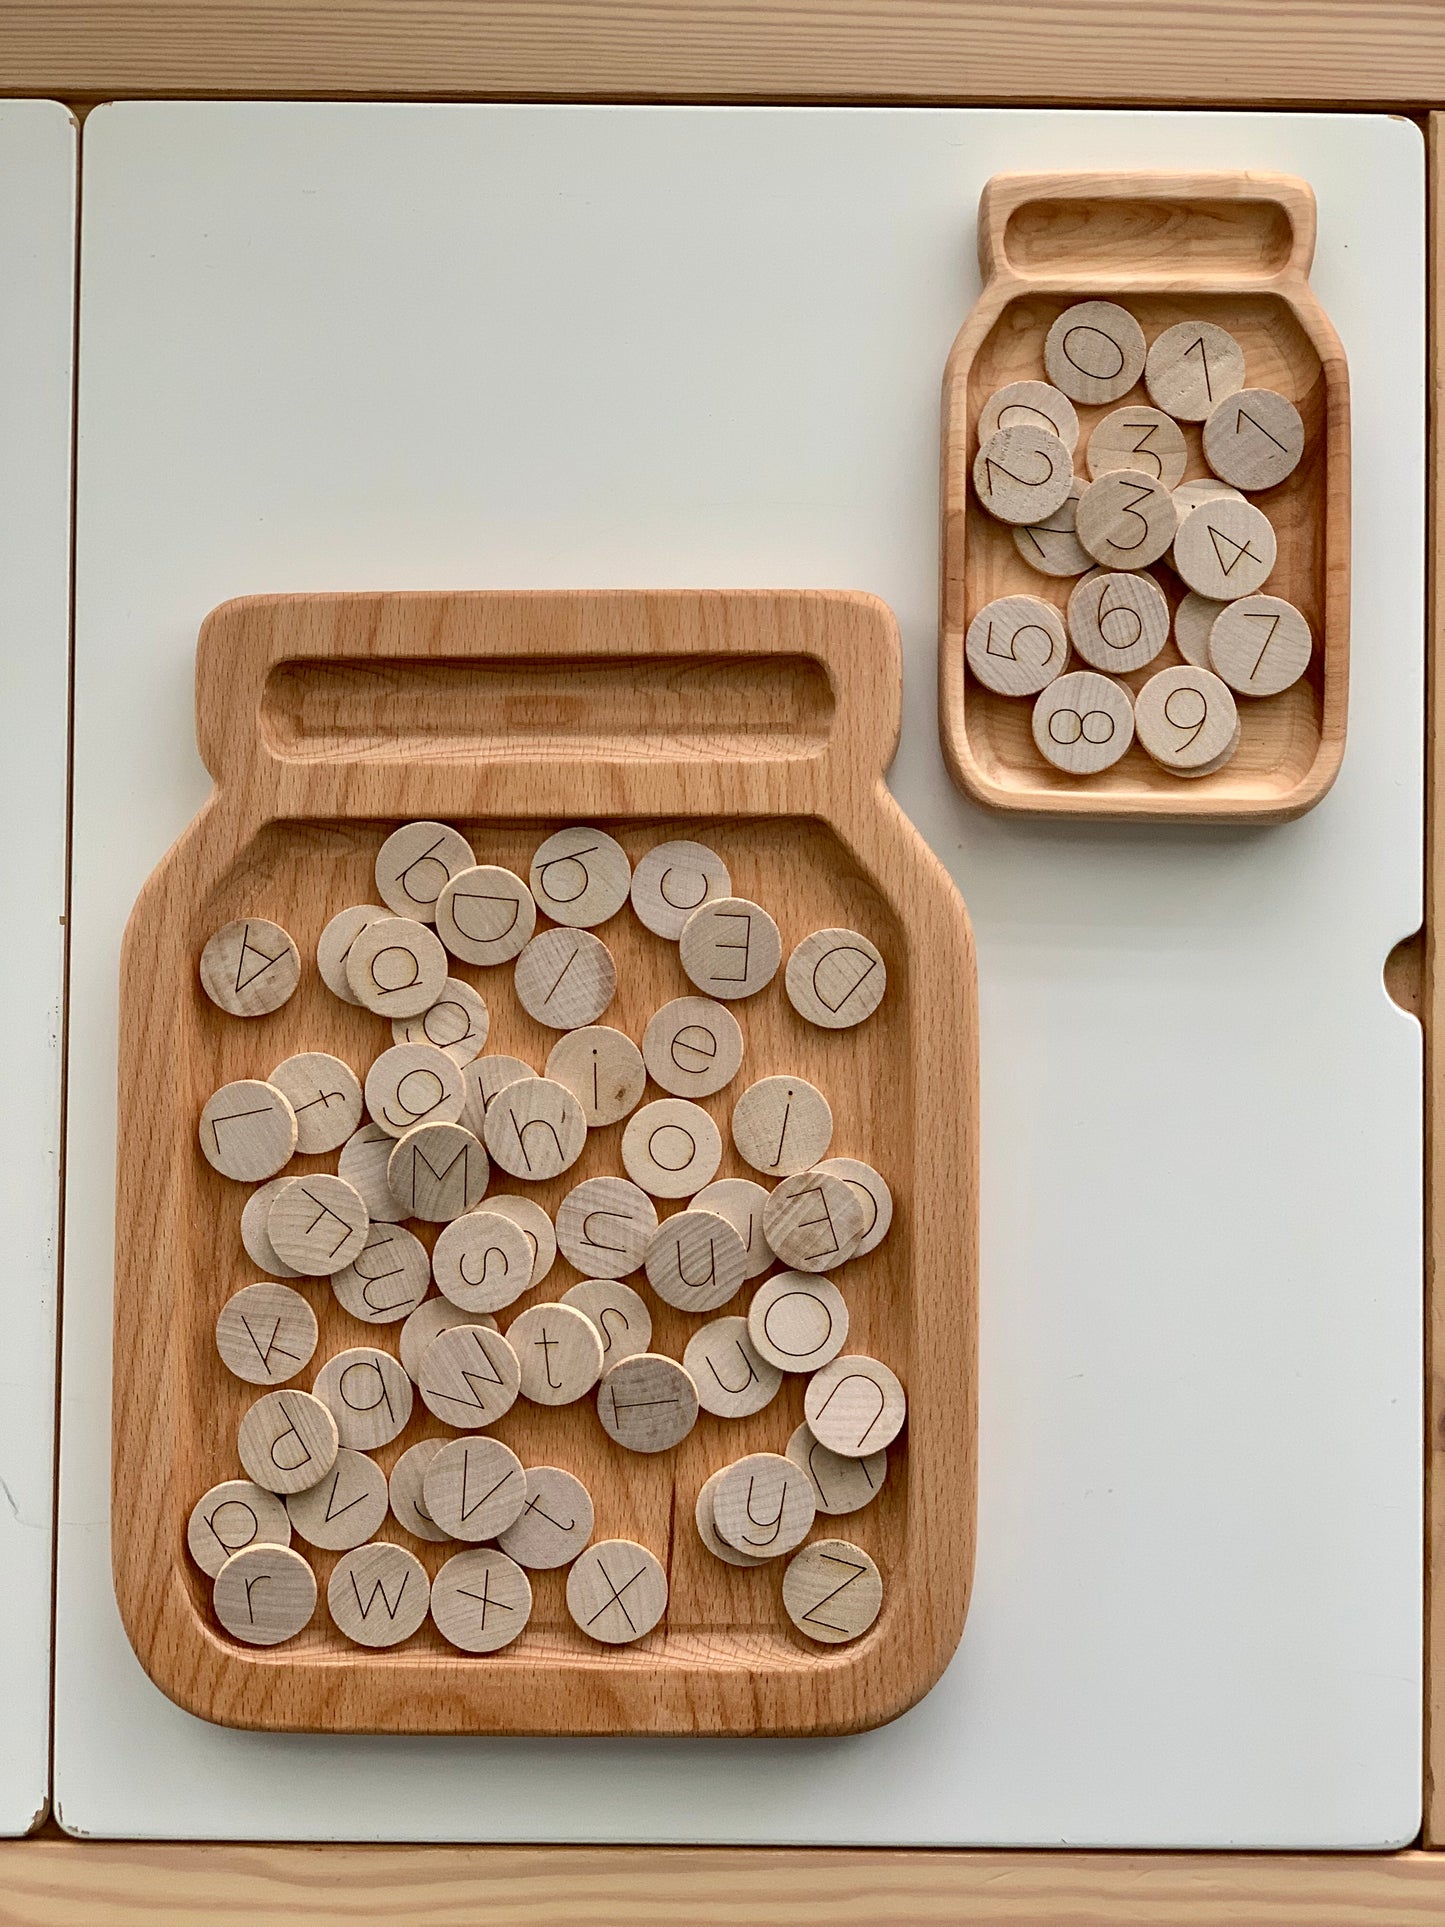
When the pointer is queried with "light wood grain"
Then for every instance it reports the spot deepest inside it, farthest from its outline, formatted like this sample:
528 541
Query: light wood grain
762 724
1230 247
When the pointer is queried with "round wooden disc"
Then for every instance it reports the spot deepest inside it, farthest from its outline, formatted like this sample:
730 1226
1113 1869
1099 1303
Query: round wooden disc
396 967
813 1221
616 1592
619 1314
457 1023
781 1125
1191 367
378 1594
872 1194
559 1352
480 1600
474 1488
1126 520
798 1322
565 978
730 948
333 947
536 1228
416 863
671 1148
695 1261
732 1377
319 1225
707 1526
580 877
1016 644
368 1393
413 1084
1053 546
840 1485
324 1094
1193 620
1260 645
1095 352
482 1261
287 1441
468 1377
438 1171
855 1406
535 1129
254 1235
692 1047
1023 474
741 1202
265 1595
832 1591
647 1403
250 968
836 978
1204 488
408 1504
554 1524
1185 717
1036 403
430 1319
604 1226
603 1070
1254 439
764 1505
672 881
1138 438
1225 549
484 1077
1083 722
231 1516
247 1130
345 1508
387 1279
486 915
1118 621
363 1163
266 1333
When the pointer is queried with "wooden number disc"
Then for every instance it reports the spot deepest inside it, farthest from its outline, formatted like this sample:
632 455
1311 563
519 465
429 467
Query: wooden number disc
1016 644
483 1078
457 1023
416 863
832 1591
319 1225
480 1600
1191 367
266 1333
616 1592
1193 620
264 1595
741 1202
324 1094
695 1261
408 1505
565 978
1095 352
1053 546
1260 645
672 881
1224 549
764 1505
486 915
474 1488
368 1393
707 1526
1205 488
430 1319
344 1509
603 1070
363 1161
692 1047
798 1323
559 1352
554 1524
840 1485
619 1313
873 1195
438 1171
1022 474
671 1148
836 978
730 948
781 1125
1142 439
482 1261
813 1221
536 1228
254 1235
378 1594
1032 402
1254 439
1083 722
469 1377
647 1403
413 1084
287 1441
396 967
1126 520
855 1406
247 1130
1185 717
1118 621
387 1279
231 1516
580 877
334 947
535 1129
604 1226
732 1377
250 968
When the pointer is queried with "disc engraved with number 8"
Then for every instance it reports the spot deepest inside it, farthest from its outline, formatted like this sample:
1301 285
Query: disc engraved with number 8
1083 722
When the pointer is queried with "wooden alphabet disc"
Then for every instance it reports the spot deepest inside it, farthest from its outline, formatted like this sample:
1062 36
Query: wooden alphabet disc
265 1595
1016 644
486 915
536 1228
396 967
1191 368
231 1516
378 1594
554 1524
368 1393
692 1047
671 1148
363 1163
345 1508
741 1202
616 1592
1095 352
1225 549
1193 620
604 1226
1053 546
764 1505
619 1313
247 1130
287 1441
707 1525
1084 722
324 1094
832 1591
672 881
430 1319
333 948
695 1261
474 1488
250 968
781 1125
266 1333
535 1129
580 877
319 1225
1035 402
469 1377
855 1406
798 1322
603 1069
1023 474
416 863
841 1485
408 1504
457 1023
647 1403
732 1377
1126 519
559 1352
482 1261
1254 439
484 1077
1260 645
1118 621
413 1084
836 978
438 1171
1185 717
387 1279
481 1600
254 1235
872 1194
730 948
1138 438
565 978
813 1221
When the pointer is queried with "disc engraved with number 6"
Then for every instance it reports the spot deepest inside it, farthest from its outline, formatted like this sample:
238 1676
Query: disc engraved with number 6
1118 621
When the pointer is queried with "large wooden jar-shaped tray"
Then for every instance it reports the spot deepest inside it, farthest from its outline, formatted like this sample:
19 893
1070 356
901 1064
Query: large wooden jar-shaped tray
760 723
1231 248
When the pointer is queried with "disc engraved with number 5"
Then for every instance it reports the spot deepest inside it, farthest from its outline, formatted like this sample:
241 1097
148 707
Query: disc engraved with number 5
1016 645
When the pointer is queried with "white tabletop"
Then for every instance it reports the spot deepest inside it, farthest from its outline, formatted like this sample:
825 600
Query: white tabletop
38 152
370 346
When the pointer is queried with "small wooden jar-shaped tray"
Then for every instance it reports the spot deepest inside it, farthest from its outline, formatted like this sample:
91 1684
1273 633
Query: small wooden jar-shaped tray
760 724
1229 248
